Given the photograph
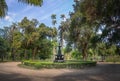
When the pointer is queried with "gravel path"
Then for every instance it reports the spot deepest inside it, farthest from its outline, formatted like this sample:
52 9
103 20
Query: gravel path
102 72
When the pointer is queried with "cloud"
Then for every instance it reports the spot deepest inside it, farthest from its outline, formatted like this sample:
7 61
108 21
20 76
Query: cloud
10 17
7 17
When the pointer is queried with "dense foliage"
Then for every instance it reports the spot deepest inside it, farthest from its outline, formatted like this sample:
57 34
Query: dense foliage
95 26
28 40
3 48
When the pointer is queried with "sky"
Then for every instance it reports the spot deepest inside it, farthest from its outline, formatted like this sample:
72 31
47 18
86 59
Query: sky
17 11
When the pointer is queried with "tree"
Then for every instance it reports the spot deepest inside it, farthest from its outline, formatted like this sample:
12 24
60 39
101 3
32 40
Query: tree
62 16
16 45
105 13
32 2
45 46
28 40
4 7
53 17
62 29
54 33
2 32
105 50
81 30
76 54
54 30
28 28
67 50
3 48
10 37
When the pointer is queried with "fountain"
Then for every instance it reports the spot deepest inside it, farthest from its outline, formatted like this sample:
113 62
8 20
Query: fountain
59 57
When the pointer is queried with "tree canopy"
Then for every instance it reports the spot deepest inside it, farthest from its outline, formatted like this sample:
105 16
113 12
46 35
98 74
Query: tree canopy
4 8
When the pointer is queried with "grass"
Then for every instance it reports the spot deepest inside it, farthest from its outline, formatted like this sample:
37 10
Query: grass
67 64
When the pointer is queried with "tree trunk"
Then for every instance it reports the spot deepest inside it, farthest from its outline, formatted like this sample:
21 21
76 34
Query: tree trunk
84 51
84 54
34 52
12 54
25 54
2 58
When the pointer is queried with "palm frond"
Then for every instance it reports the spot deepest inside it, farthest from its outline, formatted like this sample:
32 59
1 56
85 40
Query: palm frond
3 8
32 2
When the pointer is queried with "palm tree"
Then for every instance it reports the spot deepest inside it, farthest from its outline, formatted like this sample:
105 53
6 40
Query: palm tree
62 28
62 16
53 17
64 35
54 33
4 7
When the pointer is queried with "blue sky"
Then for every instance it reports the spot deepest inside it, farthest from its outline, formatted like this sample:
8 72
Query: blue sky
17 11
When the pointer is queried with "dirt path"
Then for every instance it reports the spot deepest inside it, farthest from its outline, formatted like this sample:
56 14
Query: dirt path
102 72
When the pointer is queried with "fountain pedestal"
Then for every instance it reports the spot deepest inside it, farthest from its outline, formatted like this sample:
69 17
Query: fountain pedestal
59 57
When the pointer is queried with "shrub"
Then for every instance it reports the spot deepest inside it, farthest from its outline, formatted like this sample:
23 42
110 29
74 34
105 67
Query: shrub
67 64
76 55
113 59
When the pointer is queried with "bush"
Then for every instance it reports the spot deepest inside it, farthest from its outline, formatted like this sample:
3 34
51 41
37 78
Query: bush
67 64
76 55
113 59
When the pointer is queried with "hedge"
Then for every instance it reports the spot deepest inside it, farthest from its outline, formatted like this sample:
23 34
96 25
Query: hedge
69 65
